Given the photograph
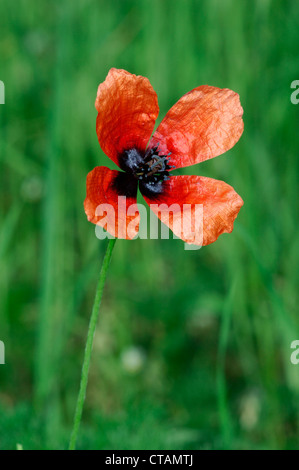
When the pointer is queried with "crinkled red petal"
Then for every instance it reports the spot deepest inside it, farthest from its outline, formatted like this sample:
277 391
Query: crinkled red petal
197 209
111 202
203 124
127 108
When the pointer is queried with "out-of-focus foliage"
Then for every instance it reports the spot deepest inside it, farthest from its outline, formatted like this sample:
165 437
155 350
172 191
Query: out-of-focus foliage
192 348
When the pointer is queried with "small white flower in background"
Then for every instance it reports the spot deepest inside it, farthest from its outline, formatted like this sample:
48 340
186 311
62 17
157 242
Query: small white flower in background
250 409
32 188
133 359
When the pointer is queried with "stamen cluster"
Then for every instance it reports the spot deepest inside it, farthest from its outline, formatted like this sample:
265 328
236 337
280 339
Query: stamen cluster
155 167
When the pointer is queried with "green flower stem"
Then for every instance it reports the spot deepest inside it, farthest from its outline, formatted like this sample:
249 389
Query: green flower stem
89 343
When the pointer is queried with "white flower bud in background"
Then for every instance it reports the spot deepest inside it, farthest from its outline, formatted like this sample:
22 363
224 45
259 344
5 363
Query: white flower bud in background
250 409
32 189
133 359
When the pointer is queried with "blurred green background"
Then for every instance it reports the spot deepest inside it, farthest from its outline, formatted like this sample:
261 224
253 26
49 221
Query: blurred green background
192 349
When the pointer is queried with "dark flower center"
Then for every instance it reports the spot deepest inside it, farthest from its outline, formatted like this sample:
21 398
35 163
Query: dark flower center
150 169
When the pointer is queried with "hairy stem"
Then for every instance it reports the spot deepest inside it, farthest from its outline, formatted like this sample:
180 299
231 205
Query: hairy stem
89 343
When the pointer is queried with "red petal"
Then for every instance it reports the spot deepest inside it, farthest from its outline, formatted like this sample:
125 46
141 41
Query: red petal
203 124
105 204
220 204
127 108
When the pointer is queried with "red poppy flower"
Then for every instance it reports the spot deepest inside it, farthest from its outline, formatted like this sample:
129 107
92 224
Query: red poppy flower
203 124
